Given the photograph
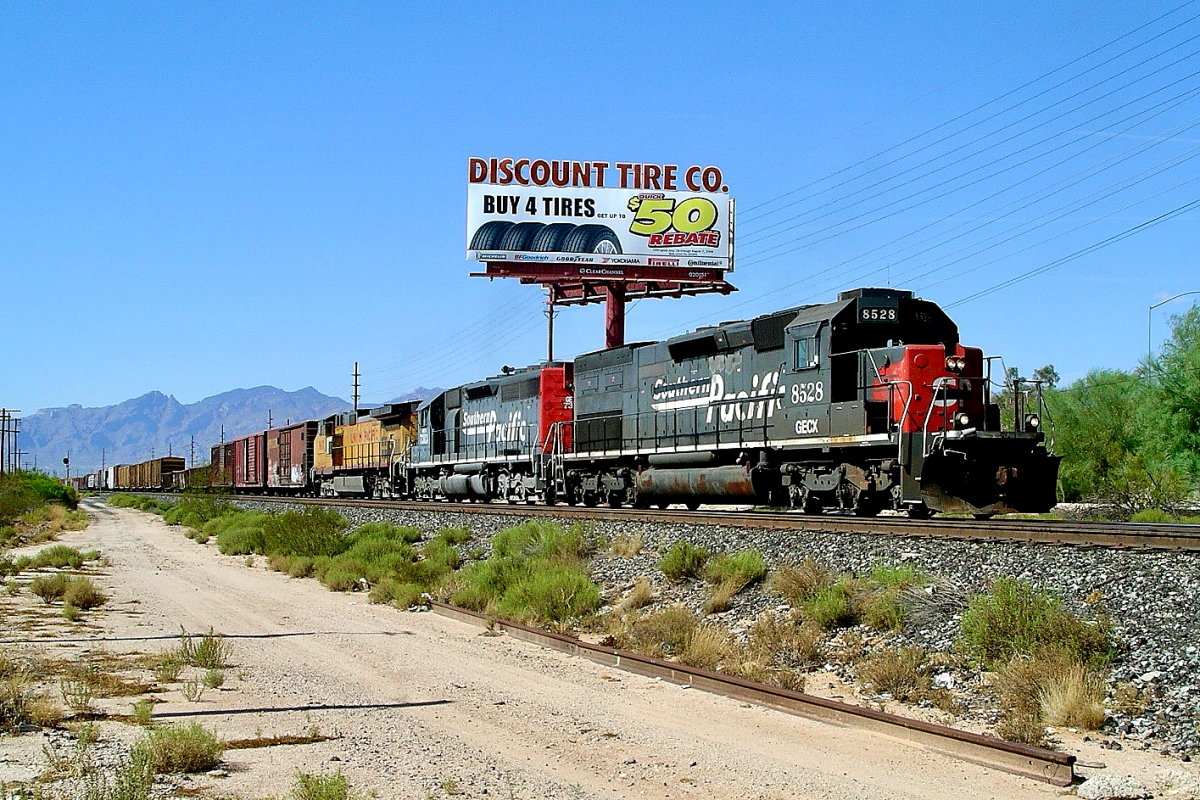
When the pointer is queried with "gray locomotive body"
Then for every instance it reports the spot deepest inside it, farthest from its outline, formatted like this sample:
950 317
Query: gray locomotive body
863 404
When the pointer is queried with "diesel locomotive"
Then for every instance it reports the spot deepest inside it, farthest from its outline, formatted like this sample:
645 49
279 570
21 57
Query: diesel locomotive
859 405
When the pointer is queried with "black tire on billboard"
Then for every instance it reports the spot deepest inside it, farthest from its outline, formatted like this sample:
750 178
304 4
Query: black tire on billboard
592 239
490 234
520 236
550 238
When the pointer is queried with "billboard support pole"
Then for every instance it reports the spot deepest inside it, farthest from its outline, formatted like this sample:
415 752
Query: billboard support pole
614 315
550 313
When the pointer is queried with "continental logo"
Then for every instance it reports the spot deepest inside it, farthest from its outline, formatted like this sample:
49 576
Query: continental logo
702 262
663 262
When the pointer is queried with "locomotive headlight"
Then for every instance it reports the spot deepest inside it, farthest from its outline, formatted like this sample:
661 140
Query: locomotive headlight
955 364
1032 422
963 420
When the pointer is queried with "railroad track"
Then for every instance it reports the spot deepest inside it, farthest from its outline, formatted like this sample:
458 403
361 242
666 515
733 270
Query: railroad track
1133 536
1031 762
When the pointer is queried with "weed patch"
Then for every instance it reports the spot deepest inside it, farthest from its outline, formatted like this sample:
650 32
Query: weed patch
187 749
683 561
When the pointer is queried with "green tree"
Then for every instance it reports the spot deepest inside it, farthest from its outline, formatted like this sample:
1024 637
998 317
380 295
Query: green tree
1103 426
1175 375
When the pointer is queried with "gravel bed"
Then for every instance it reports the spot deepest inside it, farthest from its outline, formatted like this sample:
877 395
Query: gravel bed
1151 598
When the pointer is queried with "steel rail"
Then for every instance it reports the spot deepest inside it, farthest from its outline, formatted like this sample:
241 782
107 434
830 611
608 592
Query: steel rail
1030 762
1132 536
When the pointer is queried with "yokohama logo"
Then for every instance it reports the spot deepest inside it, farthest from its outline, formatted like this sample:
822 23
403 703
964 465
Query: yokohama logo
663 262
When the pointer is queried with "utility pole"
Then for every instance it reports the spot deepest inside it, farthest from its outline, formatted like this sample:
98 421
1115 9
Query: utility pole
192 452
269 422
9 424
550 315
355 395
103 474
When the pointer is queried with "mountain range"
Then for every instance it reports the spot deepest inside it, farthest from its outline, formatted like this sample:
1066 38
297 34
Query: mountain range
157 424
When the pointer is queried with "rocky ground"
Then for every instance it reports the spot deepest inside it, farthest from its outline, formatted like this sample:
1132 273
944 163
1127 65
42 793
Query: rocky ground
421 706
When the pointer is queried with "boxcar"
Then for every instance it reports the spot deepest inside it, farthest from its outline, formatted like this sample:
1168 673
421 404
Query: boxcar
290 457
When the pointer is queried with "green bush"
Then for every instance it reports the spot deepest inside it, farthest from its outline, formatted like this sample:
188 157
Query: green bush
543 540
60 555
661 632
238 534
1016 619
455 535
140 503
186 749
683 560
194 510
49 587
310 786
550 592
315 531
384 530
82 593
831 606
1153 515
740 569
397 593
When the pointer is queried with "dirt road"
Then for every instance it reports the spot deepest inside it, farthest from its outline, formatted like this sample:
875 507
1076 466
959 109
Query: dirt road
425 705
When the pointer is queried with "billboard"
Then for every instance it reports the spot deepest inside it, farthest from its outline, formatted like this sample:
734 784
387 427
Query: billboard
538 212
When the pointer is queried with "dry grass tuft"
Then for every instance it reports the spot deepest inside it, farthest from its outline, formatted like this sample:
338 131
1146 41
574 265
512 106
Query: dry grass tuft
783 641
662 632
794 583
707 648
720 595
625 545
1074 698
901 672
640 596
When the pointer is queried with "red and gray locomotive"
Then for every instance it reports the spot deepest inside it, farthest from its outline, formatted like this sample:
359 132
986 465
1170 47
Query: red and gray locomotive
864 404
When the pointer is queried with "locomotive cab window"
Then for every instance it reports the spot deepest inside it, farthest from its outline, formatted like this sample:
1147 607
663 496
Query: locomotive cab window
806 349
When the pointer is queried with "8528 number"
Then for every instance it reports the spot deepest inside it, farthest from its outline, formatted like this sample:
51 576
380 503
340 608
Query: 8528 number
811 392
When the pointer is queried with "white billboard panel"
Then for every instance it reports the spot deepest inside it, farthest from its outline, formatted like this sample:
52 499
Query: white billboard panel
598 224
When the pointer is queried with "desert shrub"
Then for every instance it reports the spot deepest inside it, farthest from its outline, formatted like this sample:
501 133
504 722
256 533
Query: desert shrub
15 699
23 491
901 672
207 651
1153 515
662 632
185 749
194 510
143 712
60 555
309 786
742 568
719 597
49 587
167 666
550 592
385 530
683 560
240 533
315 531
454 536
1016 619
397 593
831 606
140 502
543 540
82 593
798 582
779 640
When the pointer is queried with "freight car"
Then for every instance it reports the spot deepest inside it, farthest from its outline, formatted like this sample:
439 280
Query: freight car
157 474
860 405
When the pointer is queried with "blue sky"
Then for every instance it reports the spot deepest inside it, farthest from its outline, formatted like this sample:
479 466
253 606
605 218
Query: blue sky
201 197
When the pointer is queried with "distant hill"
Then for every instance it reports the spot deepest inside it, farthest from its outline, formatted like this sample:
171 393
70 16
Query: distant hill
129 432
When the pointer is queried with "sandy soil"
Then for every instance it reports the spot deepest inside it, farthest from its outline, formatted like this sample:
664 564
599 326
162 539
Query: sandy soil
422 705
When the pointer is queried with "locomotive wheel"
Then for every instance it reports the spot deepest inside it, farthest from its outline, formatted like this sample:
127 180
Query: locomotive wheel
919 511
692 505
614 499
590 500
663 506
